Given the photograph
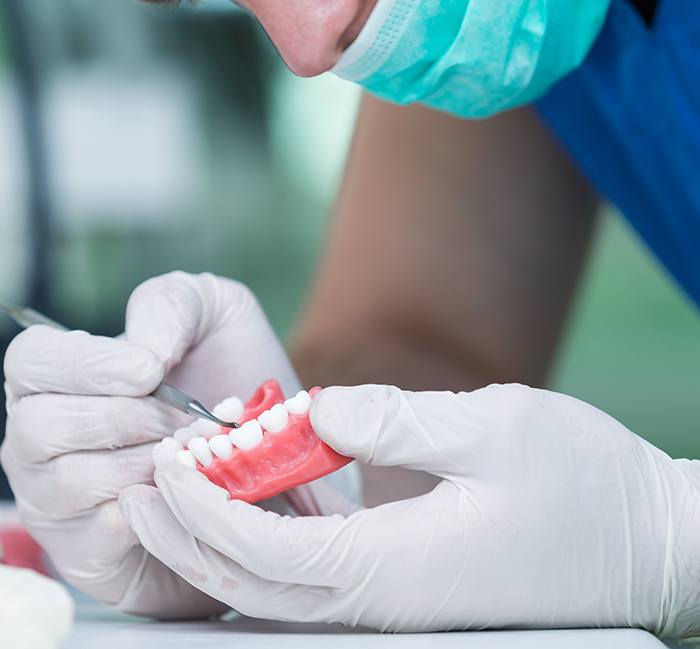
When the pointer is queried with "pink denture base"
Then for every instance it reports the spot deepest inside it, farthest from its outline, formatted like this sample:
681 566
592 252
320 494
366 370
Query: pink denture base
281 461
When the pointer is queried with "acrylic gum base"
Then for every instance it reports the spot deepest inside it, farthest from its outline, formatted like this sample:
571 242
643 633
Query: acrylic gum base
274 450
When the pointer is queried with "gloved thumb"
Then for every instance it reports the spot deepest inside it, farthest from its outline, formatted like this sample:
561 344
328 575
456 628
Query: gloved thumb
166 315
385 426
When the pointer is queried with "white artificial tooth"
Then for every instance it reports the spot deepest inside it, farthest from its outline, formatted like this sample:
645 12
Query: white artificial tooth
200 449
206 428
230 409
221 446
298 405
248 436
184 435
171 444
186 458
275 419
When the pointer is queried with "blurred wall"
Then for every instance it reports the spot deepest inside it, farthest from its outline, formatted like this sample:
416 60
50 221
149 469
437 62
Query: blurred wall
633 346
176 139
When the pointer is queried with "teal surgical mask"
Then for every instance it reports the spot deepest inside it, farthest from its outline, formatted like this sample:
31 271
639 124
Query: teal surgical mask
472 58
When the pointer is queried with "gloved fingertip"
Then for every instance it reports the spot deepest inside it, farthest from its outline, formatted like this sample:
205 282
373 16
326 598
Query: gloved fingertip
142 507
148 370
136 501
176 481
176 472
326 414
122 368
164 452
349 419
163 314
336 413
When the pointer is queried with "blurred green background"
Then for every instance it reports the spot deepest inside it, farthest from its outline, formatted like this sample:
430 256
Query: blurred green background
177 140
633 345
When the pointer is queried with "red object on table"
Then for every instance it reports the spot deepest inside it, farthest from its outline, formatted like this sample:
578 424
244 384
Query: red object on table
20 550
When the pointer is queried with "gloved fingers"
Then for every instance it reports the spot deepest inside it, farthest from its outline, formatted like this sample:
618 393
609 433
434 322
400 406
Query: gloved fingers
94 551
385 426
100 554
211 571
72 484
174 312
304 550
43 426
10 398
215 325
42 359
166 315
438 432
158 592
320 498
339 492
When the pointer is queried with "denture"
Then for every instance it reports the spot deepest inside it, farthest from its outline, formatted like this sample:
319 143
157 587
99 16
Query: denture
274 450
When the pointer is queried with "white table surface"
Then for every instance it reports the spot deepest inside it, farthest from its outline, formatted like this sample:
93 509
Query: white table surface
100 628
97 627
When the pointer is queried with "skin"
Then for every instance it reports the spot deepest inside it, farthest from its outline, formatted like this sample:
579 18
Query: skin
310 35
456 247
451 262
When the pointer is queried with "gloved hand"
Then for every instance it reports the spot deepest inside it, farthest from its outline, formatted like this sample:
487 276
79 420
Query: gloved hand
79 429
550 514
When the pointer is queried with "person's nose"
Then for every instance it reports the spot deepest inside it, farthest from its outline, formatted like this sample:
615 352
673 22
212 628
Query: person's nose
310 35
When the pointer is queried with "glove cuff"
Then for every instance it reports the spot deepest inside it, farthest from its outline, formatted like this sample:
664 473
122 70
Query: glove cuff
681 615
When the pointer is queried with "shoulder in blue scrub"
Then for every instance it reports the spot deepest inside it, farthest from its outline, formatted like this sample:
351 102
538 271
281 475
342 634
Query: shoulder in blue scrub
630 117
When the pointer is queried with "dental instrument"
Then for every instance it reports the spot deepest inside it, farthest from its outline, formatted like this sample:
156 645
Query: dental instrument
169 394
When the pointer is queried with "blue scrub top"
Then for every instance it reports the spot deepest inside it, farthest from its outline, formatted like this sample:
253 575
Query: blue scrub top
630 117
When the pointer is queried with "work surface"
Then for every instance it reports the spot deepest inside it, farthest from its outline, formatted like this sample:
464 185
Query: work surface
97 626
101 628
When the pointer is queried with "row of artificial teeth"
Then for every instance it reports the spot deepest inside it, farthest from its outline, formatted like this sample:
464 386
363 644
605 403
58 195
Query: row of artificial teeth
229 410
248 436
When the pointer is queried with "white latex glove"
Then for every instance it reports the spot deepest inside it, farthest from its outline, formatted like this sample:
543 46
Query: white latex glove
79 429
35 612
550 514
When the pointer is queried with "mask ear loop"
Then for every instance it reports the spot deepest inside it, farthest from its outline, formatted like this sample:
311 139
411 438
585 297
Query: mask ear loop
362 46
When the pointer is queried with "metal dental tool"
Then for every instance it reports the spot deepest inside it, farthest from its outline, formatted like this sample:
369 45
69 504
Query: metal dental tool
165 392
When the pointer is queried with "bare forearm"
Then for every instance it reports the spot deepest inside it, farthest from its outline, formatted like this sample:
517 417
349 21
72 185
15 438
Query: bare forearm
451 261
374 357
384 359
452 256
